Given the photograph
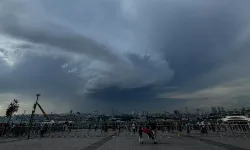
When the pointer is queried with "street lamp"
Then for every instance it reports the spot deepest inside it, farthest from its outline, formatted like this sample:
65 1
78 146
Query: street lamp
37 96
32 114
22 116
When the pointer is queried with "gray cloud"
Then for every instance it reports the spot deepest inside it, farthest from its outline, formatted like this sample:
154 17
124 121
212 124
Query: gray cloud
124 51
43 74
48 35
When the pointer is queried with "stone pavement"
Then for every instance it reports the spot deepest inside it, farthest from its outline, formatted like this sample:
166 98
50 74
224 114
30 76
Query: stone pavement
126 141
82 133
5 140
173 143
50 144
232 142
239 142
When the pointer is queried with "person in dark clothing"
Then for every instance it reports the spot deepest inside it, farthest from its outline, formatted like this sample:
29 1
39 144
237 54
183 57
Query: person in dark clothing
44 129
136 128
140 131
188 128
106 127
119 129
153 126
89 127
70 127
152 131
95 127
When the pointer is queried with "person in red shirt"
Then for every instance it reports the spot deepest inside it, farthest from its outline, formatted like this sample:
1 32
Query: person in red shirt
150 131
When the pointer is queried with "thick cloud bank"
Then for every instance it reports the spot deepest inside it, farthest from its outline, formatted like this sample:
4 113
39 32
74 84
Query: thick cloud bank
163 54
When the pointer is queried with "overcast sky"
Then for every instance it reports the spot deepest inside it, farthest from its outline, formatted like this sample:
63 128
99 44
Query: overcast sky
152 55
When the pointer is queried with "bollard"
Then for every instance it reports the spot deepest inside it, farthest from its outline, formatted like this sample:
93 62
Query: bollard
179 133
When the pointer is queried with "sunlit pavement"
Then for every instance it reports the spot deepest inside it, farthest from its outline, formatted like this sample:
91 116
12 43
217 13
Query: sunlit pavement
129 141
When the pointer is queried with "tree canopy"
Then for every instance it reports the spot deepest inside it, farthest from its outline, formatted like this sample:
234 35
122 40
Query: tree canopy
13 107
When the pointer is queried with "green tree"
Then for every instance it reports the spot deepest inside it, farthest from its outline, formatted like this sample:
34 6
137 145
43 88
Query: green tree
13 107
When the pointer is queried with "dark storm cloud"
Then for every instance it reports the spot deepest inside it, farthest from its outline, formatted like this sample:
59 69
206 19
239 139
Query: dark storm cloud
197 38
39 74
130 50
113 94
65 39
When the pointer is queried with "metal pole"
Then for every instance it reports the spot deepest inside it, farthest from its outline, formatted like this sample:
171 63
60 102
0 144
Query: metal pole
23 115
187 113
32 115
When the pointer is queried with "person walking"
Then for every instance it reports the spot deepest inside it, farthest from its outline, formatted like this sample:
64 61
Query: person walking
152 131
133 128
140 131
95 127
119 129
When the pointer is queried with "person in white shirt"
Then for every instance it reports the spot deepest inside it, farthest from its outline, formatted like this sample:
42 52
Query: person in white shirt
133 128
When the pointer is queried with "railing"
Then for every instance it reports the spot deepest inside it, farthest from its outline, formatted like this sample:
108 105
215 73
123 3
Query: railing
83 130
228 130
215 130
53 131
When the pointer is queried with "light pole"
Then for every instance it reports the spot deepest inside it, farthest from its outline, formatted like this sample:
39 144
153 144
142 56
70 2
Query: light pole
23 116
188 117
186 110
32 114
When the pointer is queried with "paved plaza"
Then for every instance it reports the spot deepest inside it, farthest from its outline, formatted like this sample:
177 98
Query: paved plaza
129 141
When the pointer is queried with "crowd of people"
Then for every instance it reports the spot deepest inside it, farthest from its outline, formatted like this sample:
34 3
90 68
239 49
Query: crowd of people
148 128
23 129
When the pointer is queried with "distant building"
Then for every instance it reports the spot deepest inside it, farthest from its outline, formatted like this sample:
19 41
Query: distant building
236 119
214 110
219 110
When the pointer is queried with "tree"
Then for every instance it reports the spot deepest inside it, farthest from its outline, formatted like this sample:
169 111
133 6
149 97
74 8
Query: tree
13 107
